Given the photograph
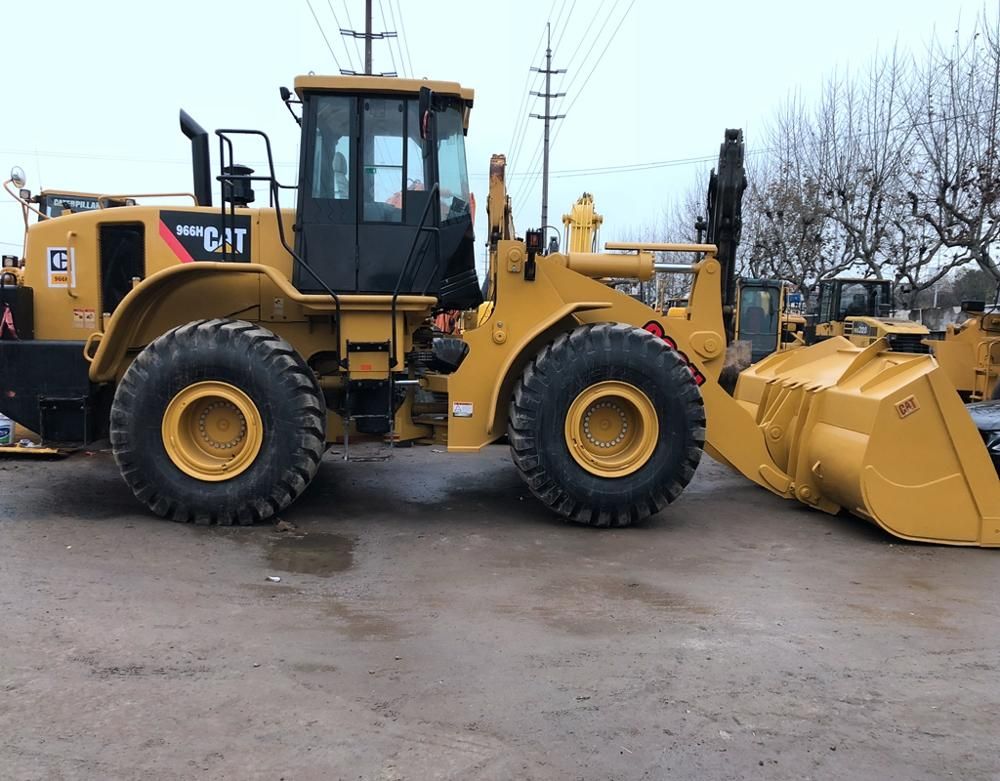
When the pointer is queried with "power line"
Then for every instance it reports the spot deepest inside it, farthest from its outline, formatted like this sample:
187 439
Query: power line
336 21
369 36
357 46
406 42
534 157
548 116
596 64
321 32
399 47
385 24
521 122
566 26
607 45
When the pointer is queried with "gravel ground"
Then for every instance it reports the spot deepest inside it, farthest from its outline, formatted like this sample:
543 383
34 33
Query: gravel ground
433 621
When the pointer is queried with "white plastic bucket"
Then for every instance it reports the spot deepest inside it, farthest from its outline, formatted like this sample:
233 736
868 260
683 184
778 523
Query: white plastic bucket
6 430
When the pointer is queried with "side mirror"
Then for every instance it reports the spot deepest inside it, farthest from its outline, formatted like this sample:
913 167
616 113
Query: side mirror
17 176
285 93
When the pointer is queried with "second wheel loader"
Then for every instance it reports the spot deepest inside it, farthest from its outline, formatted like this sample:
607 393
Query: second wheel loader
222 348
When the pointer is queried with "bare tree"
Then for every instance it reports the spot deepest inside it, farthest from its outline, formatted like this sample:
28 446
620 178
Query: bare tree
955 114
863 142
787 232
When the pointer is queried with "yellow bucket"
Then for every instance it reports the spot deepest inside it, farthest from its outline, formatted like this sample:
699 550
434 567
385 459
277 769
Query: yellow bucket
881 434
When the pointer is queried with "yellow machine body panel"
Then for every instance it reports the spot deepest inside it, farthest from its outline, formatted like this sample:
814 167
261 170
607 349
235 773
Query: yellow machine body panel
970 355
880 434
864 330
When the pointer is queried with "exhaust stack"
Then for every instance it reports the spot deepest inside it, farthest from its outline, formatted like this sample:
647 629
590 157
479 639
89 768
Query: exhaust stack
200 161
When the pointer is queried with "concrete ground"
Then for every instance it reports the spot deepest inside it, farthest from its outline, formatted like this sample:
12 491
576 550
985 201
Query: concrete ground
433 621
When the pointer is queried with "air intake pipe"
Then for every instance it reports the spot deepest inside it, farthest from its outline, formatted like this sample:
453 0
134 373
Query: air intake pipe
200 163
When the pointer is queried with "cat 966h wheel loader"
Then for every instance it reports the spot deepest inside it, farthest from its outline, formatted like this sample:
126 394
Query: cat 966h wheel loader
222 348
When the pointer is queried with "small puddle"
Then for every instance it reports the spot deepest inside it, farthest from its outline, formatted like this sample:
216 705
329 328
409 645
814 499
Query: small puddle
313 554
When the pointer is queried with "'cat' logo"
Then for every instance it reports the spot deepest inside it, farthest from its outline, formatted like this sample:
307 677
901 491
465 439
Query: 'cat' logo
235 237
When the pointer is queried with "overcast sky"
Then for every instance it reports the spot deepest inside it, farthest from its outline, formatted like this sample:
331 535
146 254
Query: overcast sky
92 89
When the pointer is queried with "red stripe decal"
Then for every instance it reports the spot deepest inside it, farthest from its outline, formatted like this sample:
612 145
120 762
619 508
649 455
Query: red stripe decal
182 254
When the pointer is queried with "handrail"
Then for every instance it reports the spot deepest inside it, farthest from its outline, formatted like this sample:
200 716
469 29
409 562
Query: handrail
433 197
71 264
276 187
102 198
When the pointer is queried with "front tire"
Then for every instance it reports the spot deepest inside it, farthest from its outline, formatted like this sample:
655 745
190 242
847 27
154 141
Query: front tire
218 421
606 425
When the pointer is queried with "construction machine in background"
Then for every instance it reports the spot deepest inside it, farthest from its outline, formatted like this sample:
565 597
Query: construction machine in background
223 348
763 317
860 310
582 226
969 352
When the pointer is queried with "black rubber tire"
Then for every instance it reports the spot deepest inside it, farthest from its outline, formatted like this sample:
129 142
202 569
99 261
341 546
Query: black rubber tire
547 388
270 372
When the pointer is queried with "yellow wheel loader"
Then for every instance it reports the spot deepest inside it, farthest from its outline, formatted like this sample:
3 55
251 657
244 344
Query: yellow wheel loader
860 311
969 352
223 348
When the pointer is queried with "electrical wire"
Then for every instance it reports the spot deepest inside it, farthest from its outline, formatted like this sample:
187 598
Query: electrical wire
350 26
385 26
399 34
516 136
321 32
406 42
537 153
566 26
336 21
528 182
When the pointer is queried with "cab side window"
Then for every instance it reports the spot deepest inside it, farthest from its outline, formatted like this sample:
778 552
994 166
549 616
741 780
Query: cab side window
331 163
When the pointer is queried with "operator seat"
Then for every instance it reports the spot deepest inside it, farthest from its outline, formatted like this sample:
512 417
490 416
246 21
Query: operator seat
753 320
341 186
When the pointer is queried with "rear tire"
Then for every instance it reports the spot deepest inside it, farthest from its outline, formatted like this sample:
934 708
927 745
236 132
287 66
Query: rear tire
602 374
267 403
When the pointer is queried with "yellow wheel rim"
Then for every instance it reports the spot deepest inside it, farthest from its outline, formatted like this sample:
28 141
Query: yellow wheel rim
212 431
612 429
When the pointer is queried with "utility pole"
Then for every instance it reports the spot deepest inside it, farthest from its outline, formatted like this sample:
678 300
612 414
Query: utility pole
368 36
548 117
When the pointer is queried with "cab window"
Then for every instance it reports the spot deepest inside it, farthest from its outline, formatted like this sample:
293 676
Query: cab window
382 125
331 163
454 175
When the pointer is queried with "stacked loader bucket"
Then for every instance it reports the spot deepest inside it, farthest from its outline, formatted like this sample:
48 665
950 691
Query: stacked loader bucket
881 434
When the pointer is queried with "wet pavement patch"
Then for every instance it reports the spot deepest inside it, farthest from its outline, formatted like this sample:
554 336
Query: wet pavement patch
312 554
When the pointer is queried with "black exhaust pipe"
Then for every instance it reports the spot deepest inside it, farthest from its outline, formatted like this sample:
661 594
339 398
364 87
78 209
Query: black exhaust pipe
200 162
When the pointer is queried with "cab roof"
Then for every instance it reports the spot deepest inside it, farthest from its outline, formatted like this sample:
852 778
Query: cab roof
387 84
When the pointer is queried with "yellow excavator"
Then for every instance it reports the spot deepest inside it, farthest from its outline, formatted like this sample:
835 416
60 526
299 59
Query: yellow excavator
222 348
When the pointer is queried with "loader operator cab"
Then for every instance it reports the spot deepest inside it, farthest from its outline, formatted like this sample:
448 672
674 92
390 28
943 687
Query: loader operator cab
384 200
758 315
843 298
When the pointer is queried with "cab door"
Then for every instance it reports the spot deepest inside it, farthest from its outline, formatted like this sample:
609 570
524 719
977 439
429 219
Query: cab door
327 219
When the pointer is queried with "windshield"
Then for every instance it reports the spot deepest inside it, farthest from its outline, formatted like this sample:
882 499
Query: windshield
759 312
862 299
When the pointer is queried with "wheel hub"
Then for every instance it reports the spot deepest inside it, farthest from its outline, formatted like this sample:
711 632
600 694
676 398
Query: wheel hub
611 429
212 431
